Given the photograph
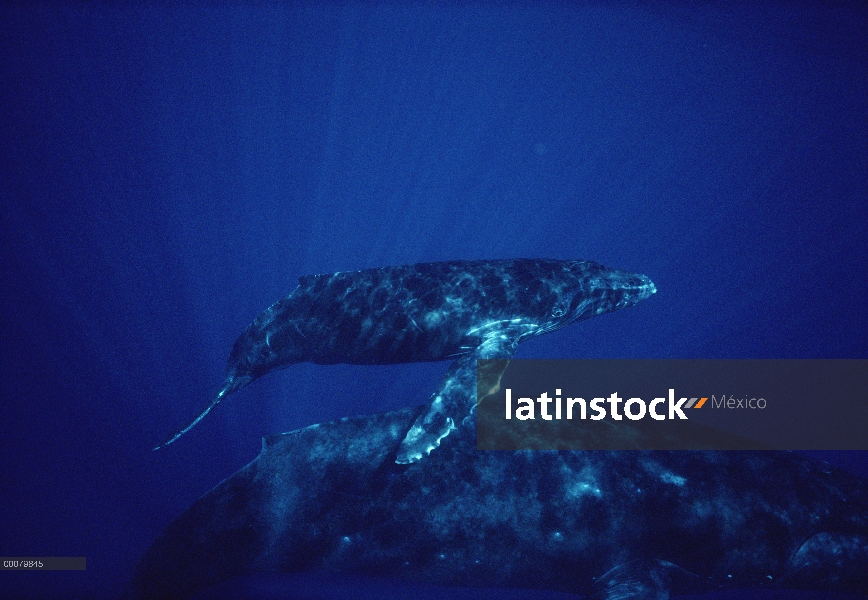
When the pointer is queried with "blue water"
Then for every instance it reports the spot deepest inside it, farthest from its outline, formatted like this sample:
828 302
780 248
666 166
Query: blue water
168 172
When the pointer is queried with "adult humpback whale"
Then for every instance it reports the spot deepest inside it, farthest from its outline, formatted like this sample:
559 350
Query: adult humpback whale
466 310
329 498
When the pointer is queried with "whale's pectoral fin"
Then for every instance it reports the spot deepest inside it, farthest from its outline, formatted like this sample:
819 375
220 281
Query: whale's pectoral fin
454 402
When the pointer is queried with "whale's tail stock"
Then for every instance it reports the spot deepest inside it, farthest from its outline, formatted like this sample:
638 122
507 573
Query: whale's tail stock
232 383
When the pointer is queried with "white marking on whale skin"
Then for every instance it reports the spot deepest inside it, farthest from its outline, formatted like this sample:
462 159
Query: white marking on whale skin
583 488
492 326
583 483
433 319
668 477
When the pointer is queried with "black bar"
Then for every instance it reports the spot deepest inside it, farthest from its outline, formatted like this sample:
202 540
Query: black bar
43 563
749 405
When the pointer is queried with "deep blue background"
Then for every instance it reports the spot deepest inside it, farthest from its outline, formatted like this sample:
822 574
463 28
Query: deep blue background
168 172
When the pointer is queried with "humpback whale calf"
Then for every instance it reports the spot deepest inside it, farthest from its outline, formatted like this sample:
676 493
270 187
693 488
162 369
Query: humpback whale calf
461 310
330 499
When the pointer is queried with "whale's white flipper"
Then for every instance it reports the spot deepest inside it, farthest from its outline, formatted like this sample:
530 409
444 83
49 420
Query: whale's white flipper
454 402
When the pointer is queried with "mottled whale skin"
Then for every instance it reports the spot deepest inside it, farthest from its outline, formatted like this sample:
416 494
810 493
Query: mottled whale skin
630 524
462 310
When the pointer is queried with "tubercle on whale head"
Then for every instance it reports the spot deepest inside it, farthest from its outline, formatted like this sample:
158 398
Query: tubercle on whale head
638 287
601 289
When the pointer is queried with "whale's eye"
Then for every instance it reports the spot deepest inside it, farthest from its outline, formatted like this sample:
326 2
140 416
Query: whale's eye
559 310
